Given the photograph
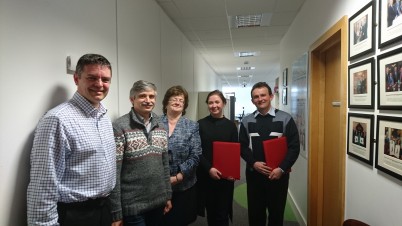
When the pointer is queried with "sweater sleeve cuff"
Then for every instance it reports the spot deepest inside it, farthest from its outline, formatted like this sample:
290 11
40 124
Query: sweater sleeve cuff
116 216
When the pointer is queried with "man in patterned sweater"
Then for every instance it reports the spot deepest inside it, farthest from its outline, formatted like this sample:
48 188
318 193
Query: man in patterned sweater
143 191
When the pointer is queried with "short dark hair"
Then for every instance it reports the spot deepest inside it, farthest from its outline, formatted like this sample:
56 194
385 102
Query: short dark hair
90 59
175 91
218 93
261 85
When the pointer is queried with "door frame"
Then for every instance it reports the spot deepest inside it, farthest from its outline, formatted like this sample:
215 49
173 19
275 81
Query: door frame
337 33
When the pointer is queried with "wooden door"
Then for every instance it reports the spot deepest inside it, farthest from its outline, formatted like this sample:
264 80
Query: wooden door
333 151
327 135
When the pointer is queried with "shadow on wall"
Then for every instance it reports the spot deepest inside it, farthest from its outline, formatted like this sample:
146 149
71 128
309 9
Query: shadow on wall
18 208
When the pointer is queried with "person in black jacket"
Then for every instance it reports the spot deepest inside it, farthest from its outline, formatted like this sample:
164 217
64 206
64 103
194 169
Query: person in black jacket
266 187
215 194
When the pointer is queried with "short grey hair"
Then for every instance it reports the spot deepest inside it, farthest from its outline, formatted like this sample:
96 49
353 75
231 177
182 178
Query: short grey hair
141 86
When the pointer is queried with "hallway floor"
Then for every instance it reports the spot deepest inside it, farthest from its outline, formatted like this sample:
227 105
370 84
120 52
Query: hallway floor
240 216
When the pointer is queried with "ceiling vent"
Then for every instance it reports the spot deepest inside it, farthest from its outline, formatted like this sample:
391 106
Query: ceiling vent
258 20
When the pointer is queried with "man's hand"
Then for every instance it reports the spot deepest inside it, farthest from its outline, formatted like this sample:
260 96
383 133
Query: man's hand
262 168
117 223
275 174
168 207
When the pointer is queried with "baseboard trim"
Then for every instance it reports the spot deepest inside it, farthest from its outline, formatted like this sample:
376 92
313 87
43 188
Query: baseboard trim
296 210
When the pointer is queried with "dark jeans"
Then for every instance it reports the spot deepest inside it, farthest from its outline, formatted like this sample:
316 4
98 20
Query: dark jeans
149 218
263 194
94 212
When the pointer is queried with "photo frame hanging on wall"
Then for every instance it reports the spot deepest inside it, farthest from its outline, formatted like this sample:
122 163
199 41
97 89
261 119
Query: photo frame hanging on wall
362 32
361 84
360 137
285 77
390 24
388 152
389 81
299 99
285 96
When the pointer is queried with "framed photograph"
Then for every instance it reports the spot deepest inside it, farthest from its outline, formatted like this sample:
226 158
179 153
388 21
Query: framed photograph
388 153
389 81
285 77
285 96
299 99
361 84
360 137
390 29
362 31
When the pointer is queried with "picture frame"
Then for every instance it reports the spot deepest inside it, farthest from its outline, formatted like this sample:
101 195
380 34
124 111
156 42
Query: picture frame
361 84
285 77
360 137
285 96
362 31
299 98
389 131
390 25
389 80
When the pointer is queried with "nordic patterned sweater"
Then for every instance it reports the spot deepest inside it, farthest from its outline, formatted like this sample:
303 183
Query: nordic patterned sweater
143 179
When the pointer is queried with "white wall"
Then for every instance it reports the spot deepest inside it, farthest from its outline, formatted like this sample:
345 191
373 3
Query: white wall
139 47
38 35
371 196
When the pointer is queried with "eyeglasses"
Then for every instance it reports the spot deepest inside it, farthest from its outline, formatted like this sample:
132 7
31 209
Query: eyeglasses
175 100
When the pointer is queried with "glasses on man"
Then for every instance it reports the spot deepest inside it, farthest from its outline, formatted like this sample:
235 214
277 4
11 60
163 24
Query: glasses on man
176 100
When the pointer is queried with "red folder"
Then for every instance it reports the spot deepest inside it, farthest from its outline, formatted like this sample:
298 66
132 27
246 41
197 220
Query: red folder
226 158
275 151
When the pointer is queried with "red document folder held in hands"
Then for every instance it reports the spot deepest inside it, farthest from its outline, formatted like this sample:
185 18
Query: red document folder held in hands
275 151
226 158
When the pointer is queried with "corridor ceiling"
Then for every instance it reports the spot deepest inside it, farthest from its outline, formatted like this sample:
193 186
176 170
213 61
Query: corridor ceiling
222 30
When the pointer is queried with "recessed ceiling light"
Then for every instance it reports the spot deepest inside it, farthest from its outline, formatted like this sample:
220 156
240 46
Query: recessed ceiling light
246 54
245 68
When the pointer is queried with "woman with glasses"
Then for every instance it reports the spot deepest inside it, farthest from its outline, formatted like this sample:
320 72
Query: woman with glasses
184 146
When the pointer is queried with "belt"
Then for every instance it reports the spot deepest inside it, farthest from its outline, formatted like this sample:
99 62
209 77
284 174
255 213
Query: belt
88 203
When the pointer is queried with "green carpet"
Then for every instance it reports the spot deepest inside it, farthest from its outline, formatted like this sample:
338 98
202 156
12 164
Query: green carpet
240 197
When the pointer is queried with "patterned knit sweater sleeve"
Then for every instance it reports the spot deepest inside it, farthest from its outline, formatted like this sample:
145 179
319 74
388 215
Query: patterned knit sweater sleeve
115 196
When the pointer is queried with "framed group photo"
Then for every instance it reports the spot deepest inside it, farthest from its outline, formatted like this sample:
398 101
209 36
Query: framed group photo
389 82
361 84
388 153
360 137
390 29
362 31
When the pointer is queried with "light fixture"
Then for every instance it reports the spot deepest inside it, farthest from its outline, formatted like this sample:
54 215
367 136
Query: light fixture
246 54
245 68
247 21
